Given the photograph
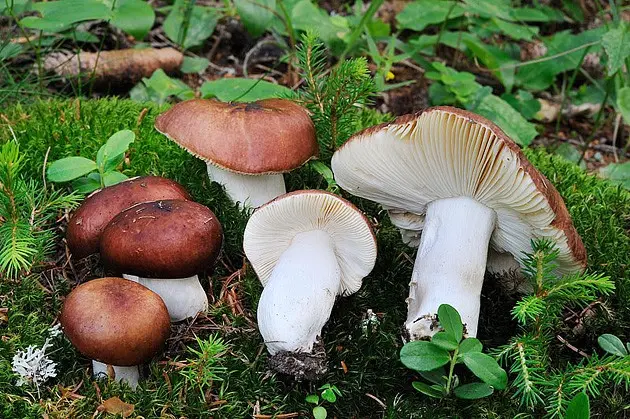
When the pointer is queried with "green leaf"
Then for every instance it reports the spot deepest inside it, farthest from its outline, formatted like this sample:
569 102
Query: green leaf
113 162
430 391
470 345
199 26
256 15
329 395
579 407
10 50
617 173
494 58
242 90
112 178
423 356
445 341
422 13
450 321
571 153
436 376
507 118
616 43
85 185
312 398
524 102
160 87
623 103
320 413
116 145
473 391
135 17
486 368
612 344
69 168
515 31
60 15
194 65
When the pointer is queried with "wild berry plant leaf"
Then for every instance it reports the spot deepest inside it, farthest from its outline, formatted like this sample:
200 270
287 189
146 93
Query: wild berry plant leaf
451 321
612 344
423 356
430 391
473 391
70 168
579 407
470 345
486 368
445 341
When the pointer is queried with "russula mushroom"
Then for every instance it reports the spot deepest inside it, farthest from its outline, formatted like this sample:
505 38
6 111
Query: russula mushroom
89 220
117 323
163 245
307 247
474 187
246 146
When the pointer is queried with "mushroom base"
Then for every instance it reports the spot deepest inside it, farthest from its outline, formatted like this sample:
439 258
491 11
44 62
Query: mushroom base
450 264
130 375
183 297
248 190
301 366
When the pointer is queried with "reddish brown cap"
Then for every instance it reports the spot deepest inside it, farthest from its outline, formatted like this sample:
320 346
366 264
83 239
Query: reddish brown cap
115 321
263 137
162 239
445 152
87 223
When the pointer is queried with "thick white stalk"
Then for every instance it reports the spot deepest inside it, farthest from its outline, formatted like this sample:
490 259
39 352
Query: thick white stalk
130 375
450 264
183 297
249 190
298 298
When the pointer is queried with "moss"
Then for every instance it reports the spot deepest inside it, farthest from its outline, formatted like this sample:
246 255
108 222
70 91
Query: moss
600 211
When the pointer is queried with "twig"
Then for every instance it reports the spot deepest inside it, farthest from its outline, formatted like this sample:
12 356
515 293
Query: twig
377 400
573 348
280 416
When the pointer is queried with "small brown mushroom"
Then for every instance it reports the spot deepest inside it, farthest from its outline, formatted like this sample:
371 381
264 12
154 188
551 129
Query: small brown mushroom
117 323
87 223
164 245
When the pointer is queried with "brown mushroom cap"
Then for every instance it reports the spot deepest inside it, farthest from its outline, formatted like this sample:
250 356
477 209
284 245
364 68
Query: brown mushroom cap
115 321
87 223
263 137
162 239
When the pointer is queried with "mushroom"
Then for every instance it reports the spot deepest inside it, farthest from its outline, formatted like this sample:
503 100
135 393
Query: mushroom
163 245
89 220
474 187
117 323
307 247
246 146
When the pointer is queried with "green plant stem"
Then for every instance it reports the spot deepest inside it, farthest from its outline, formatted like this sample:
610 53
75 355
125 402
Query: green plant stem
450 371
289 26
356 32
569 86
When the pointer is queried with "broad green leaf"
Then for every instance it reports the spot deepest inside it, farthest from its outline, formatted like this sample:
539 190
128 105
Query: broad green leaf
445 341
41 24
507 118
571 153
193 31
612 344
423 356
321 168
422 13
490 8
242 90
524 102
194 65
539 14
329 395
116 145
450 321
473 391
436 376
623 103
85 185
256 15
139 93
10 50
306 15
160 87
61 14
113 162
112 178
69 168
617 173
579 407
486 368
515 31
320 413
616 43
312 398
15 7
430 391
493 58
135 17
470 345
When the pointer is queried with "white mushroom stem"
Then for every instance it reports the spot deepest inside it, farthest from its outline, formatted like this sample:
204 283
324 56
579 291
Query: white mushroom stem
298 298
249 190
130 375
450 264
183 297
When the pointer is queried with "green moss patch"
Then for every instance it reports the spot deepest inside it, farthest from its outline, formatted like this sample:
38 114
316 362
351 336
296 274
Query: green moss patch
374 375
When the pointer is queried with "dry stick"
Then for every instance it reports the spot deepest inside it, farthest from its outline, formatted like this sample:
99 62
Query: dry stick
280 416
573 348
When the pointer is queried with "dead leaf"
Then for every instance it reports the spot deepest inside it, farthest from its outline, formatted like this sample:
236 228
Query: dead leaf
4 317
115 406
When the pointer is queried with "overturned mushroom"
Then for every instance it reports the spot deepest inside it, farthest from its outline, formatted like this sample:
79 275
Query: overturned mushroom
117 323
246 146
307 247
474 187
163 245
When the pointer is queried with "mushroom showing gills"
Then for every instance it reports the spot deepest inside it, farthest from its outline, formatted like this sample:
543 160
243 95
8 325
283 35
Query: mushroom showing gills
474 187
88 222
246 146
307 247
117 323
163 245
